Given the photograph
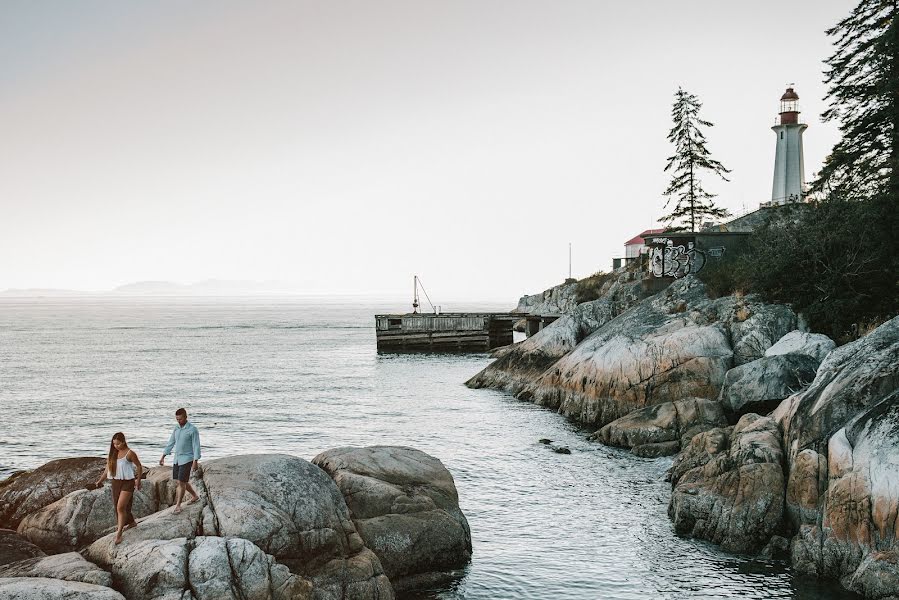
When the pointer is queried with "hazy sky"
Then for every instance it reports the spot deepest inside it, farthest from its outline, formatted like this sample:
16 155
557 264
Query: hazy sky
345 146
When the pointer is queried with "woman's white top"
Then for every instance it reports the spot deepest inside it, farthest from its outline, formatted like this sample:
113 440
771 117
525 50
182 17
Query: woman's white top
124 469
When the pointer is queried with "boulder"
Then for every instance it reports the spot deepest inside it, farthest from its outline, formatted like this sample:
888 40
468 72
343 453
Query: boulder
525 361
675 345
850 380
734 498
405 506
30 491
212 568
662 429
855 533
70 566
13 547
79 518
31 588
287 507
760 385
815 345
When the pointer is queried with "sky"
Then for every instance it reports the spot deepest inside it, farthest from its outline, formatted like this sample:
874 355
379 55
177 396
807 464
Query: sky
343 147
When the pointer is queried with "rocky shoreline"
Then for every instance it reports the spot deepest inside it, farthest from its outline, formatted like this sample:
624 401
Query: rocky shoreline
354 523
786 445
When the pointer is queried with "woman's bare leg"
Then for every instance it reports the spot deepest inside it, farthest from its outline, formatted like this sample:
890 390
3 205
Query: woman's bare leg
122 514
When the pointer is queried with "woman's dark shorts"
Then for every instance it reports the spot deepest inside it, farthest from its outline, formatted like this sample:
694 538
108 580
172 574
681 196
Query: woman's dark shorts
181 472
119 486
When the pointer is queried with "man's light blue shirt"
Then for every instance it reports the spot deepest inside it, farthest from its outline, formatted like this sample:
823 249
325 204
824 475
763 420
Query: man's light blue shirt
186 442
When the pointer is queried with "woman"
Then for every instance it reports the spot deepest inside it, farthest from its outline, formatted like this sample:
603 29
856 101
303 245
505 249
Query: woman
124 469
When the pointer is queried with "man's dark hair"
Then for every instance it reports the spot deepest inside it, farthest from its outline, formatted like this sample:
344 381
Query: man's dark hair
180 411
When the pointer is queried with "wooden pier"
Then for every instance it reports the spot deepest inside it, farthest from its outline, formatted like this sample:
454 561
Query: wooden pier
451 331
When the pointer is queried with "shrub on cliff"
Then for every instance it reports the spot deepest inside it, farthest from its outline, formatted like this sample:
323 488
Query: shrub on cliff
589 288
832 263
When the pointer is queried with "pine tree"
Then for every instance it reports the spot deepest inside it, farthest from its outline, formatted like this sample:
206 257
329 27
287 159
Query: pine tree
863 76
692 201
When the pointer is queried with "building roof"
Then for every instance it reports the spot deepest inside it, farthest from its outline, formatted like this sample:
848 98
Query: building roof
638 239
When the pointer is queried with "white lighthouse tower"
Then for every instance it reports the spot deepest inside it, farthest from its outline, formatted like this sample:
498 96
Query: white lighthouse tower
789 166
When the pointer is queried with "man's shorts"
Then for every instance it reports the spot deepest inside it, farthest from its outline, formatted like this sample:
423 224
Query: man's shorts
181 472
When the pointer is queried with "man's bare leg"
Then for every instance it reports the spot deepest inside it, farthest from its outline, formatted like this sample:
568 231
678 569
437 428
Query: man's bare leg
193 493
178 494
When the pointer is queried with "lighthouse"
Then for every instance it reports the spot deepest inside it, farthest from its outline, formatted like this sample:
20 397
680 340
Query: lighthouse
789 167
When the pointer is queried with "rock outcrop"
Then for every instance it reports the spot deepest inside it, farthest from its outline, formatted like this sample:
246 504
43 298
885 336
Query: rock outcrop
14 547
45 588
662 429
838 441
729 489
815 345
759 386
675 345
29 491
559 299
842 434
405 506
70 566
79 518
266 526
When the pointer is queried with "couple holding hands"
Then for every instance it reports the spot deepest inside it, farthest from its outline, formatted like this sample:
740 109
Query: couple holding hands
123 467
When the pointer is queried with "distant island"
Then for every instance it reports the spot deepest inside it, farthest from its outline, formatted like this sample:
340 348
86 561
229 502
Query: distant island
208 287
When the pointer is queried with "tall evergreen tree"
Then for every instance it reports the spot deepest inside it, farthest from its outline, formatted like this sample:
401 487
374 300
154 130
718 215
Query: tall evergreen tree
692 202
863 76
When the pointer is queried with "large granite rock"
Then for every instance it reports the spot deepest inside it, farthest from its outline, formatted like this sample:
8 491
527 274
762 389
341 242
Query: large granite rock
285 506
760 385
43 588
521 364
70 566
29 491
815 345
405 506
853 532
559 299
14 547
212 568
675 345
850 380
734 498
662 428
79 518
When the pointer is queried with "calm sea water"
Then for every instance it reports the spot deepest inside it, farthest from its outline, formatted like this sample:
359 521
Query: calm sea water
301 376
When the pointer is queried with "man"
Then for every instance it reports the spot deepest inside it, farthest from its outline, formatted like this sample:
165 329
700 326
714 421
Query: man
185 440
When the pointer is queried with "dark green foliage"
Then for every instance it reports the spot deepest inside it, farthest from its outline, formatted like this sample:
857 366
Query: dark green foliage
589 288
725 276
831 262
863 79
692 203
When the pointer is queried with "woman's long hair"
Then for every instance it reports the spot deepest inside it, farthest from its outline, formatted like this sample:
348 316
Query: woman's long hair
113 453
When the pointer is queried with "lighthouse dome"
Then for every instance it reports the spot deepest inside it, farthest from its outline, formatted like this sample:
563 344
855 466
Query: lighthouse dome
789 95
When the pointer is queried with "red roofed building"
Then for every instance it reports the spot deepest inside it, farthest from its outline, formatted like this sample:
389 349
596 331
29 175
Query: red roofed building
636 246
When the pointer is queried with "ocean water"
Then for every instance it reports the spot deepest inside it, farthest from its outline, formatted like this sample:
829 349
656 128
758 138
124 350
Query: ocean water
303 375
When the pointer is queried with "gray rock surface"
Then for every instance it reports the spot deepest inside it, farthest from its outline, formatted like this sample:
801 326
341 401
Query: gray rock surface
674 345
42 588
405 506
559 299
14 547
29 491
815 345
287 507
734 498
212 568
79 518
69 566
662 429
760 385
